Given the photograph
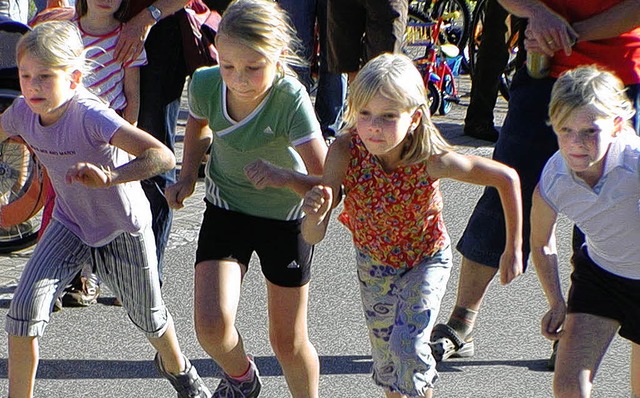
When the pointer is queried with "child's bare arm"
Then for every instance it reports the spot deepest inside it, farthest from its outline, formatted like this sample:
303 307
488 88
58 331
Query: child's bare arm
132 94
321 199
545 259
197 138
263 174
151 158
483 171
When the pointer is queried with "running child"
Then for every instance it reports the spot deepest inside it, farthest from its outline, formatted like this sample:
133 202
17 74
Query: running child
593 179
389 161
267 150
101 215
114 82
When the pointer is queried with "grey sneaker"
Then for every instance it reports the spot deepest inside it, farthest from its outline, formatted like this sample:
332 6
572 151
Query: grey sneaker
229 388
188 384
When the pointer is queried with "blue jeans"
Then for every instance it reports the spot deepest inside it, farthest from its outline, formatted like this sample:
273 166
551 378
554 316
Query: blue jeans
161 84
332 87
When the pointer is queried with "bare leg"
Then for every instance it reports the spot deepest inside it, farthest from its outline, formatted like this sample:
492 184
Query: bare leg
473 283
635 370
584 342
217 294
169 350
24 355
289 337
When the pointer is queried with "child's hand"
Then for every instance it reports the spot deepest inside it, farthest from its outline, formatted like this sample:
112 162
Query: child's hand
263 174
178 192
90 175
510 266
317 203
552 321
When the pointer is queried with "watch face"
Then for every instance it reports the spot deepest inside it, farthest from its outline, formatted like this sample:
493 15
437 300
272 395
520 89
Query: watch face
155 13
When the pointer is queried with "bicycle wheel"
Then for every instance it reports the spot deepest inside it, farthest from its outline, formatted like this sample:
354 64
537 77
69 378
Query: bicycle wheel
456 22
435 98
513 61
448 94
21 190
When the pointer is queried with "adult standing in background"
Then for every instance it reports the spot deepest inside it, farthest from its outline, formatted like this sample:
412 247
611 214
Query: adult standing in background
153 25
332 87
573 33
381 22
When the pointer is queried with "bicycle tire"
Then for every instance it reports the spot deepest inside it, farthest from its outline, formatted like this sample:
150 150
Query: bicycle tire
477 27
435 98
21 190
456 30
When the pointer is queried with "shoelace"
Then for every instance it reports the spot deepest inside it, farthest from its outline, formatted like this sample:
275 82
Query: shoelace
230 389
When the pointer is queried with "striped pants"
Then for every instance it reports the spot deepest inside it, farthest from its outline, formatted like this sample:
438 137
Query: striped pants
127 265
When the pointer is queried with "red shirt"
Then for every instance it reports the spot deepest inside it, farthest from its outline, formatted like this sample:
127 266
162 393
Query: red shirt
620 54
396 218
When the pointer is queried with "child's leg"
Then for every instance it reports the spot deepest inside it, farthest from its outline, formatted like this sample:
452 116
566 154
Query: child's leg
217 294
128 265
401 308
635 370
289 337
57 258
584 342
23 363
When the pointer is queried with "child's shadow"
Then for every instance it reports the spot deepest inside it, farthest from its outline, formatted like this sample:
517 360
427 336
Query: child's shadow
5 294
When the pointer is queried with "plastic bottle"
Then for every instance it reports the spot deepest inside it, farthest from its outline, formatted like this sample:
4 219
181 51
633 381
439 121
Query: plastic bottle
538 64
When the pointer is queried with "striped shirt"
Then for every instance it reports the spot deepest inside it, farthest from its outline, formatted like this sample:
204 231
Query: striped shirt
106 79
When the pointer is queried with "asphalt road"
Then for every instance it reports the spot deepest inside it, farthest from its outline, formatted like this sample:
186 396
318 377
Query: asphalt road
96 352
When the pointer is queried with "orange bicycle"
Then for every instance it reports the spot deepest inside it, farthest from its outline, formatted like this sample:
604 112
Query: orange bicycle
23 180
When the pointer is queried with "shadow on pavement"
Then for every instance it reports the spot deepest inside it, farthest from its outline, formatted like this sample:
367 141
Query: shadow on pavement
113 369
536 365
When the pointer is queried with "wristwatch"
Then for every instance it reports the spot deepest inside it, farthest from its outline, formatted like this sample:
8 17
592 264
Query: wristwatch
155 13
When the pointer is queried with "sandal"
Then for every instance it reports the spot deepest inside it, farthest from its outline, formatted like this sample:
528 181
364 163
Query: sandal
446 343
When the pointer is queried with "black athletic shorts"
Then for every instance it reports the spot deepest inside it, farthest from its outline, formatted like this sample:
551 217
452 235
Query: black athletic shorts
598 292
285 257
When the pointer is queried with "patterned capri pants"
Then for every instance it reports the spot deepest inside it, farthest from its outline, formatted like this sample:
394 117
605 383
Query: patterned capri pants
401 306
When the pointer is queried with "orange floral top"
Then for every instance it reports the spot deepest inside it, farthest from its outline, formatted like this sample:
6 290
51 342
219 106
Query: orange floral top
396 218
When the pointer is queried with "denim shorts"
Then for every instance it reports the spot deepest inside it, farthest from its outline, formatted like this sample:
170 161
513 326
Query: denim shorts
400 307
525 143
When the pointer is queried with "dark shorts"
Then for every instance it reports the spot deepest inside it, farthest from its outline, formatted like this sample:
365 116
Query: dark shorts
598 292
382 22
284 255
525 143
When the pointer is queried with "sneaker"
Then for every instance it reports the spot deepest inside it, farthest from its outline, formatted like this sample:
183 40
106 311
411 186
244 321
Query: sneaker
82 293
188 384
230 388
57 305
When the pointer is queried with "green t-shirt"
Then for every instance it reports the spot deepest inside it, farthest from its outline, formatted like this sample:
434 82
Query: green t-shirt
283 120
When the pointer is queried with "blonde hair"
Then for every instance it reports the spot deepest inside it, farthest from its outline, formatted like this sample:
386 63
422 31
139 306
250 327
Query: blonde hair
55 44
264 27
590 85
395 77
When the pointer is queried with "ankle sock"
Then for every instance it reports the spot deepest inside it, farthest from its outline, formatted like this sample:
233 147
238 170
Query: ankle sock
246 376
462 320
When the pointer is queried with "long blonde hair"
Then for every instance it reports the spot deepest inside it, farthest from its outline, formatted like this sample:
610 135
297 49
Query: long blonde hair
55 44
264 27
590 85
395 77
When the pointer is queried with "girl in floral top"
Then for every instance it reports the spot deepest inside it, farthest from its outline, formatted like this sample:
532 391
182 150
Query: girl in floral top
389 163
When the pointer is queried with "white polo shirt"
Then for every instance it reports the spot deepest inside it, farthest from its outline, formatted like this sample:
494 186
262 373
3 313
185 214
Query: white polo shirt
608 213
